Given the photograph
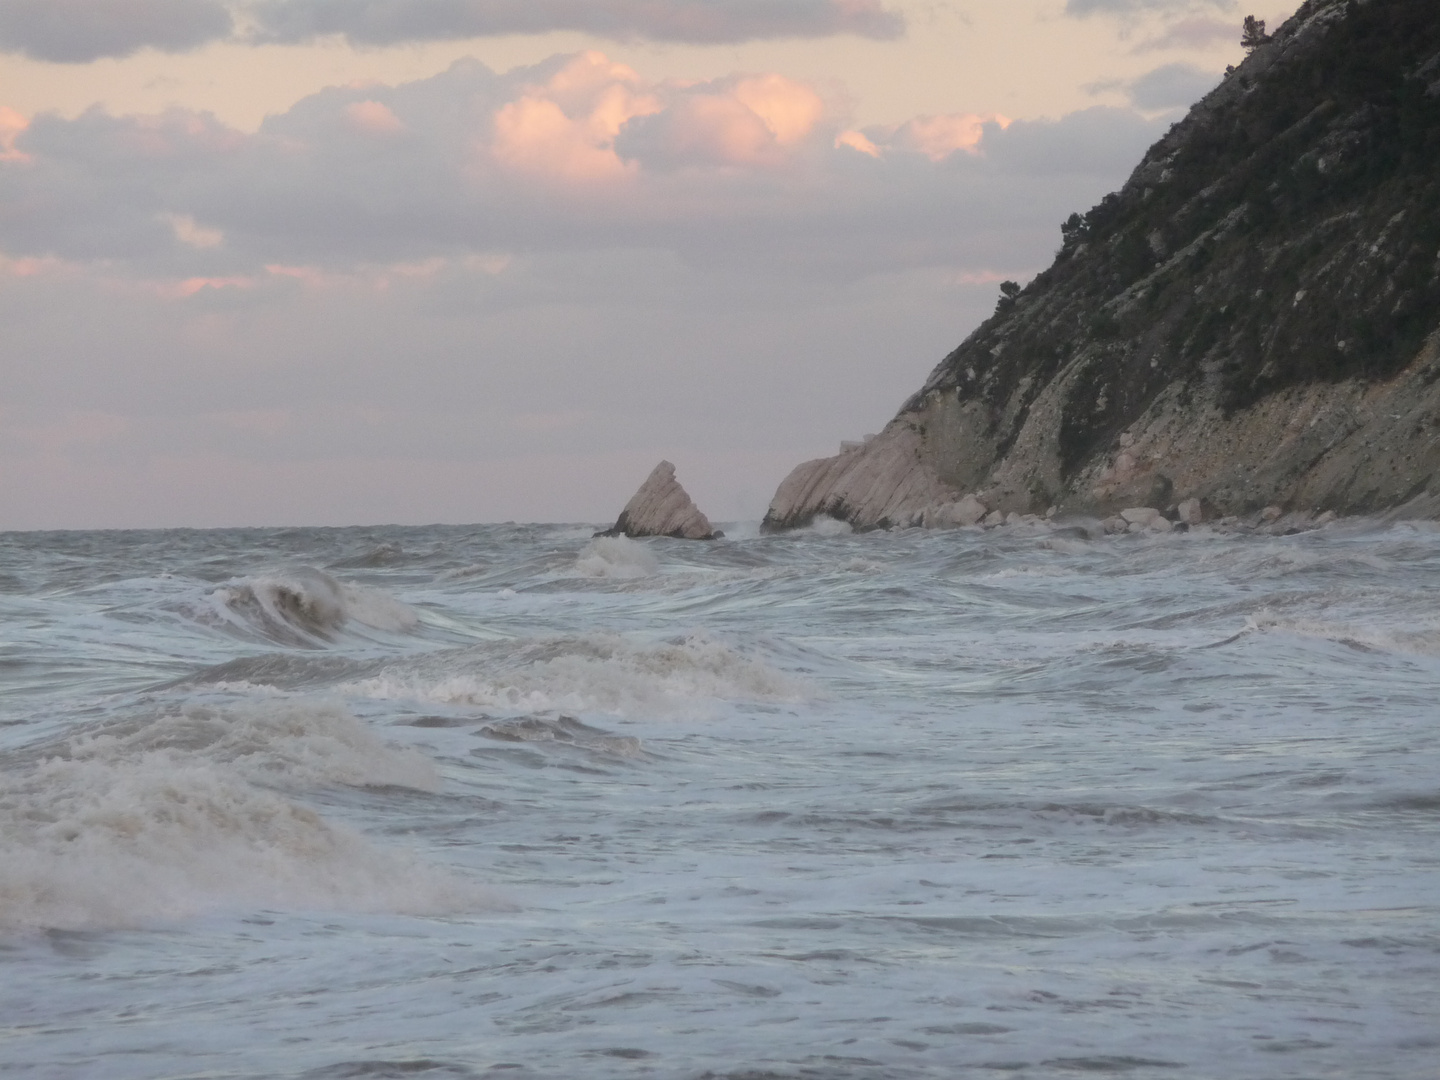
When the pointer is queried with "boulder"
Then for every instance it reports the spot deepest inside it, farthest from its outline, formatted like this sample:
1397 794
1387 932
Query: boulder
959 514
662 508
1190 512
1140 515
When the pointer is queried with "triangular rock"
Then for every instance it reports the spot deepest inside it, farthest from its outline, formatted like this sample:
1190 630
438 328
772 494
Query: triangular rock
662 508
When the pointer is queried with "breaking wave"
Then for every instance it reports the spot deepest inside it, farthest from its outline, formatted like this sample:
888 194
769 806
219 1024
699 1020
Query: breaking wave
605 673
306 607
173 816
280 743
1413 641
616 557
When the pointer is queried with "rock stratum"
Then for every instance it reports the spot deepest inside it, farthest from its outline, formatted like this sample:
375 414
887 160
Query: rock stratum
662 508
1250 322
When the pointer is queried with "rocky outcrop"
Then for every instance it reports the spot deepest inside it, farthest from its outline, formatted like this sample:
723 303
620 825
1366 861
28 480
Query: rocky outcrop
662 508
1250 322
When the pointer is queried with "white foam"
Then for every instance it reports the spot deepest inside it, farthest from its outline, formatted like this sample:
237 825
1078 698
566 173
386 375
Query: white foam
169 816
1413 641
616 557
286 742
377 608
828 526
598 672
97 843
304 605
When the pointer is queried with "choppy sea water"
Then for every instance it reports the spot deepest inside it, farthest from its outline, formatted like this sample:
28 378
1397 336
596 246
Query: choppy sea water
503 801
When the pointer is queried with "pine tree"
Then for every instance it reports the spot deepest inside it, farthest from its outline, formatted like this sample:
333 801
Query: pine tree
1252 33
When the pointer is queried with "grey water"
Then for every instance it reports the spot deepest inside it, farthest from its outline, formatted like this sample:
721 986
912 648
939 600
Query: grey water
508 801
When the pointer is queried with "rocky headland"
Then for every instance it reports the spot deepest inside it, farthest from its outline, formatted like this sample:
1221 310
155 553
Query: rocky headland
1248 330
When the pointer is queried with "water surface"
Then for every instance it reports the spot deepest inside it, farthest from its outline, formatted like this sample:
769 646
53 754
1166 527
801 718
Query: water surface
503 801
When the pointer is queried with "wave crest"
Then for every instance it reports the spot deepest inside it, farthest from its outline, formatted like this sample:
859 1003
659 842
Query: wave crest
307 607
294 744
166 817
89 844
616 557
605 673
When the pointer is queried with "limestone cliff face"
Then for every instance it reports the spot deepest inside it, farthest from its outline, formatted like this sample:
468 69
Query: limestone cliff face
1252 320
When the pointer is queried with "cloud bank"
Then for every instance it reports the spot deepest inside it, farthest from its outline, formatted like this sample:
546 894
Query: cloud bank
79 31
1083 8
1172 86
576 153
391 22
485 295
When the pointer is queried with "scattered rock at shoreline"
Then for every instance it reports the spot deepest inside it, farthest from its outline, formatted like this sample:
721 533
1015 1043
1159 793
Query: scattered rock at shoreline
662 508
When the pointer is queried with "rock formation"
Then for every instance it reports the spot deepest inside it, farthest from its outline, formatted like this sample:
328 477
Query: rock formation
1250 322
662 508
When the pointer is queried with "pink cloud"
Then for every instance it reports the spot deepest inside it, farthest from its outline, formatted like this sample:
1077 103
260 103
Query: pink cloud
193 285
534 135
36 266
378 277
565 128
788 108
937 137
857 141
718 129
11 125
372 118
176 132
743 121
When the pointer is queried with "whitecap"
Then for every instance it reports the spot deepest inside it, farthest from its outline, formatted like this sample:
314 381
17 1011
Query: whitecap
279 742
616 557
1413 640
828 526
305 606
119 842
607 673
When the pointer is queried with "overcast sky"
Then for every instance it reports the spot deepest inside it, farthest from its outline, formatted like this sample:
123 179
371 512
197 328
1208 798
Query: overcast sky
364 261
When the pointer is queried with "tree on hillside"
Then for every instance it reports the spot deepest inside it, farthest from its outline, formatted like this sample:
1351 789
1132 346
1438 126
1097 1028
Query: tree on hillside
1252 33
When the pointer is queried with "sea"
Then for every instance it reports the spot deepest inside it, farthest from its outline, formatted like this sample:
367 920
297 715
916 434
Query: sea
510 801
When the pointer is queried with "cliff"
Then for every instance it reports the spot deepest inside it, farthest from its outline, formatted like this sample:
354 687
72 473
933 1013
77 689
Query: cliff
1251 321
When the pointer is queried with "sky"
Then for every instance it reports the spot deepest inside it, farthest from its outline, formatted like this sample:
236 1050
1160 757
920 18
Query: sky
337 262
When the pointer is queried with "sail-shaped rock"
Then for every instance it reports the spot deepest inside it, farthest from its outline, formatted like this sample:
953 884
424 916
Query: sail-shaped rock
662 508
